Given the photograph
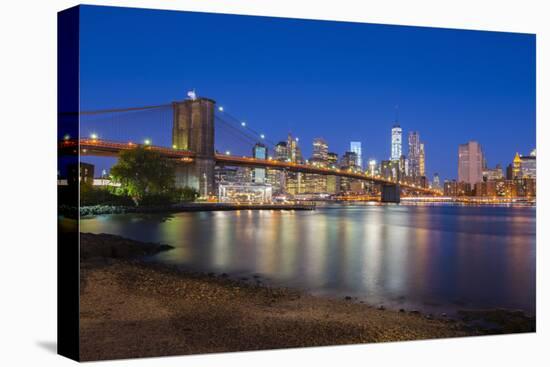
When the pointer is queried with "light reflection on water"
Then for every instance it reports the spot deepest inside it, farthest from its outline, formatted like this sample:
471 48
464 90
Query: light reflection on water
433 258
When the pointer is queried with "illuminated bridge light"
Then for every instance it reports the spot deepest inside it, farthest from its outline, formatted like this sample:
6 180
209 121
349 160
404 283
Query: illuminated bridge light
93 136
262 136
220 108
147 142
66 137
174 146
227 152
243 124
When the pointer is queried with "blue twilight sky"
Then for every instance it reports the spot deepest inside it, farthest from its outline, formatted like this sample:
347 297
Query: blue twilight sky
336 80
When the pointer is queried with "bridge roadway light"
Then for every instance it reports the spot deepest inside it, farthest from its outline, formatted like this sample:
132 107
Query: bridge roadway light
93 136
147 142
227 152
220 108
66 137
174 146
243 124
262 136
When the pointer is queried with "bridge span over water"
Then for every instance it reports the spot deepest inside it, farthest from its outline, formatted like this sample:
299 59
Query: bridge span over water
192 137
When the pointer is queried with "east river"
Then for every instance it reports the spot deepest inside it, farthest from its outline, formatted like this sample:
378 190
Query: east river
431 258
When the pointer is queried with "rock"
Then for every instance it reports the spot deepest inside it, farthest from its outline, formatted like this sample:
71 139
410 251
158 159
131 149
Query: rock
381 308
443 314
211 274
347 298
429 316
401 310
414 312
224 275
244 278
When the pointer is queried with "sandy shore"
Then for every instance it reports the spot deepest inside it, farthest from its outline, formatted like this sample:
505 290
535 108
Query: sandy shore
134 309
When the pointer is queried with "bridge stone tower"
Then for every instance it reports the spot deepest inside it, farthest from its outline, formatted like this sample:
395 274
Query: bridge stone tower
193 130
391 193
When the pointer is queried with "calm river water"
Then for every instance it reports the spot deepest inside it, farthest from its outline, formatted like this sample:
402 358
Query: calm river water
433 258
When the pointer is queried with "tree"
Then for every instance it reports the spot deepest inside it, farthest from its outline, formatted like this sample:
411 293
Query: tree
142 172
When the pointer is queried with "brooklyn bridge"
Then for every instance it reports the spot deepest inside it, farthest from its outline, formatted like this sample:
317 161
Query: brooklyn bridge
189 132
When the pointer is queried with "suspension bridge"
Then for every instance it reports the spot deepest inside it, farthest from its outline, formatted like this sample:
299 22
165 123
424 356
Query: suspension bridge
189 132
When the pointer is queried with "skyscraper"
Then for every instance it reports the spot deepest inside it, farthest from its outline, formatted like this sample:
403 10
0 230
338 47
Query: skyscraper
320 150
396 141
470 160
355 147
414 154
436 184
422 161
516 170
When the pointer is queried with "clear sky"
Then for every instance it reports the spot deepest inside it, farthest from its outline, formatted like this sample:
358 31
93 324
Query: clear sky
336 80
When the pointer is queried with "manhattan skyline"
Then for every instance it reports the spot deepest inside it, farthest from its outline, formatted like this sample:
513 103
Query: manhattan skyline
451 86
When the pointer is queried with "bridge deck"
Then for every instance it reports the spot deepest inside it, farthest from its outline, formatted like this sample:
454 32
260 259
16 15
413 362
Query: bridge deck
99 147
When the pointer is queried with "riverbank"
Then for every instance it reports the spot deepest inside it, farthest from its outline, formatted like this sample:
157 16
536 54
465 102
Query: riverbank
130 308
189 207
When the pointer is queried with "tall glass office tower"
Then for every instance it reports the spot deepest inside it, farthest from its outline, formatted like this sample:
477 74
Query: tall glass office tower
396 142
355 147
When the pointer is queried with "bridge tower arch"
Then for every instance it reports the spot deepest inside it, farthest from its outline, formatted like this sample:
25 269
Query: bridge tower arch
193 130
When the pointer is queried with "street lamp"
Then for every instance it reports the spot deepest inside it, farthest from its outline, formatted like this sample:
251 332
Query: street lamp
147 142
66 137
243 124
220 108
262 136
93 136
227 152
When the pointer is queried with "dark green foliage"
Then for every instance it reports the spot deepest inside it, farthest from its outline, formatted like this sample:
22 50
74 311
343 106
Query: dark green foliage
142 172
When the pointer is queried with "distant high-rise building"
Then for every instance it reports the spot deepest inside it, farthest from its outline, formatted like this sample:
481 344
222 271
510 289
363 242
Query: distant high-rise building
372 167
294 152
403 167
332 159
414 154
396 142
422 161
320 151
516 166
389 169
349 160
436 184
492 174
355 146
528 166
260 152
470 159
281 151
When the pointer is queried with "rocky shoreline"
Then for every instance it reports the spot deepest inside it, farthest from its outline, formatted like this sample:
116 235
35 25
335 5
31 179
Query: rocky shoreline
131 308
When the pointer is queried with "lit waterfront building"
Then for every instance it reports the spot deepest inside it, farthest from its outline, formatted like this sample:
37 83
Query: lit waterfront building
422 161
349 163
355 147
317 184
414 154
470 159
333 182
492 174
529 166
244 193
396 142
259 152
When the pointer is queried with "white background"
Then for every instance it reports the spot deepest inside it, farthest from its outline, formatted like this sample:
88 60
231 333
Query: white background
28 182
